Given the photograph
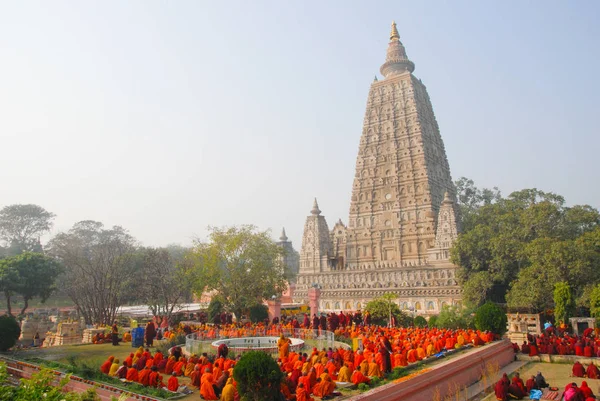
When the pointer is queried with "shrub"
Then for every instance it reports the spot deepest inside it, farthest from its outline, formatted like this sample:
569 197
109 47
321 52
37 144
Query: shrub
11 330
490 317
363 386
215 307
432 322
420 321
564 304
258 313
451 317
258 377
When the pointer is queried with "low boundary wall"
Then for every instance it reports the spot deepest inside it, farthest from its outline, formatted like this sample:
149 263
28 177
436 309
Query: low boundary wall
20 369
459 372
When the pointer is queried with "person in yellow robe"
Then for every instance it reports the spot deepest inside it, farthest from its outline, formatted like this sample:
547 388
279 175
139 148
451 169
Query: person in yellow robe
114 367
344 374
228 393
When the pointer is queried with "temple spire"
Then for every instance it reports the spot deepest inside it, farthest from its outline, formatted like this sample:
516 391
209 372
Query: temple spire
394 34
396 60
283 237
315 209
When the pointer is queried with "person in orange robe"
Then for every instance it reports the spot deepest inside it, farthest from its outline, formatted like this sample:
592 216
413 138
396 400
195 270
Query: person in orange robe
302 394
305 381
206 386
173 383
189 368
358 377
170 364
195 376
324 386
105 368
132 375
179 365
144 377
157 358
155 379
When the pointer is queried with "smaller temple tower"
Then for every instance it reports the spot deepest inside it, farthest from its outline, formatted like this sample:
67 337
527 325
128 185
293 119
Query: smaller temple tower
446 231
291 259
316 243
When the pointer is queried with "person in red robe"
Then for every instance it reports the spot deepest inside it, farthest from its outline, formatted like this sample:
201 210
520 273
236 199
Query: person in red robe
586 390
132 375
144 377
105 368
578 370
173 383
592 371
196 375
501 388
155 379
530 384
517 381
207 390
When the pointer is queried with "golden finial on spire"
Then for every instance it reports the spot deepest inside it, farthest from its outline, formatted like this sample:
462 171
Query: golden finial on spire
394 34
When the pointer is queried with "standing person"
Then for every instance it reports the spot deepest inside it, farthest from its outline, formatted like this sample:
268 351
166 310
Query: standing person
115 334
150 334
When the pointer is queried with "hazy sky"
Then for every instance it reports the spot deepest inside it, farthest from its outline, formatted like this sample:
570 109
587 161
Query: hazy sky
166 117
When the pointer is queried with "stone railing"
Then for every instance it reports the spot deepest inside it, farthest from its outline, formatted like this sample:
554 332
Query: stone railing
200 342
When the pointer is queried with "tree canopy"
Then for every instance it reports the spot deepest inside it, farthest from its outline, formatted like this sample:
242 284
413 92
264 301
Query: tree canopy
100 268
515 249
22 225
28 275
381 308
244 266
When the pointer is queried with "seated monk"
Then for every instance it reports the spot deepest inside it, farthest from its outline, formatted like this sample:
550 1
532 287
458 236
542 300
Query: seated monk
305 381
122 371
530 384
173 383
229 392
301 394
155 379
127 337
170 364
324 387
515 392
501 388
358 377
179 366
344 374
374 370
578 370
105 368
132 375
586 390
207 390
364 367
517 381
114 367
592 371
144 377
195 376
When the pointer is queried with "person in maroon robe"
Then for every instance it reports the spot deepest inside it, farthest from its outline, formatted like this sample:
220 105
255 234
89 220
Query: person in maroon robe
592 371
501 388
150 333
578 370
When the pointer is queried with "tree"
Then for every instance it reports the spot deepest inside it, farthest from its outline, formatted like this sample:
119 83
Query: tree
22 225
470 198
100 268
595 301
490 317
453 317
420 321
258 377
215 308
29 275
564 304
244 266
258 313
165 279
506 241
11 330
381 309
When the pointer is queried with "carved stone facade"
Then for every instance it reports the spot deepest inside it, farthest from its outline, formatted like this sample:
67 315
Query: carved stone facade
402 219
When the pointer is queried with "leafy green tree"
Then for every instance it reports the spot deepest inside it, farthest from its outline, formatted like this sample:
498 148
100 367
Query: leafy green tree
564 304
420 321
100 268
490 317
258 377
243 265
507 240
164 279
453 317
11 330
470 198
432 322
22 225
382 308
258 313
215 308
29 275
595 301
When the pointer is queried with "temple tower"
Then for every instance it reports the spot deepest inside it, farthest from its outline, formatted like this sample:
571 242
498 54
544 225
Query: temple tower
402 220
402 171
291 258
